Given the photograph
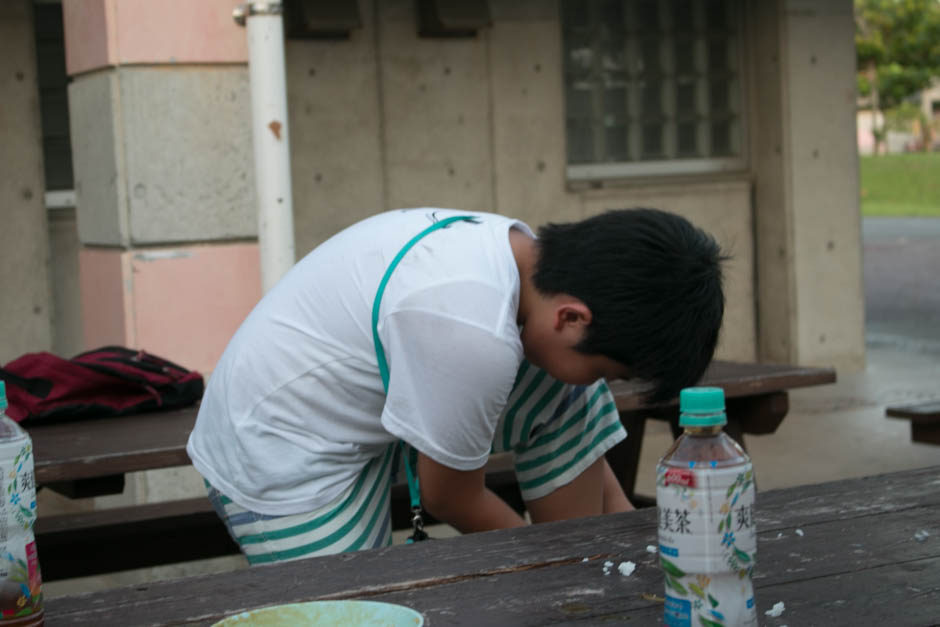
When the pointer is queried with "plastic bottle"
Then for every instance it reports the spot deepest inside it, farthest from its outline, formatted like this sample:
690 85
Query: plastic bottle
707 533
20 579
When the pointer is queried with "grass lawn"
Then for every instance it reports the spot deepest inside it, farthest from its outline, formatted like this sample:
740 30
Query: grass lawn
901 185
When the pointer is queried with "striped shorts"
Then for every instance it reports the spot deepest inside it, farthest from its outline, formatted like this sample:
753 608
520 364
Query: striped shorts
554 431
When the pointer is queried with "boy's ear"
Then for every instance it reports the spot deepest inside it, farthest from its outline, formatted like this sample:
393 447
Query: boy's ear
572 314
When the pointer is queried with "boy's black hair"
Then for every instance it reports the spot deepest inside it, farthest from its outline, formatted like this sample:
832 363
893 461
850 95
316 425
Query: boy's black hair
653 283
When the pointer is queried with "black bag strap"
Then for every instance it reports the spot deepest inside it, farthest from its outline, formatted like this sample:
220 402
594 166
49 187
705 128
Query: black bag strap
39 388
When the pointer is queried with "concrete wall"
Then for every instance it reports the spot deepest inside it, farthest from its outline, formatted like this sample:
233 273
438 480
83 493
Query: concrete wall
775 304
68 333
25 292
470 123
820 147
387 119
337 143
808 224
163 155
528 114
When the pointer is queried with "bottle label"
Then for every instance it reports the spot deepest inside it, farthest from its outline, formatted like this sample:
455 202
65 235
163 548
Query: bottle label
20 579
707 543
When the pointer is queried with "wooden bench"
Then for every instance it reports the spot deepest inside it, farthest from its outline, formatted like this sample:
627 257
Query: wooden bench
924 417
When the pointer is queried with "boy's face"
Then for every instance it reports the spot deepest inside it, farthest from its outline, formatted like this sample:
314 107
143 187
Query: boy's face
549 338
571 366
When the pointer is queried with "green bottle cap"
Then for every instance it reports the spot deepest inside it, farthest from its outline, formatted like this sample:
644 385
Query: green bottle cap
3 396
702 407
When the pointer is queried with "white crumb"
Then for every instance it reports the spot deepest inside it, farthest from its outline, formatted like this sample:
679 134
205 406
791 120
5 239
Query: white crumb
776 610
651 548
799 532
626 568
921 535
779 535
585 559
607 566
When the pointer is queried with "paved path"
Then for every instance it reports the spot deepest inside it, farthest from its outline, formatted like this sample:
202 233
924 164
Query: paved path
902 282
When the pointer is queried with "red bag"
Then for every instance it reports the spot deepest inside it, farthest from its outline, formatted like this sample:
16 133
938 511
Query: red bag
108 381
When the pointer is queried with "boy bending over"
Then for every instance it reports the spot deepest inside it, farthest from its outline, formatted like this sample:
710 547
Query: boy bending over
489 340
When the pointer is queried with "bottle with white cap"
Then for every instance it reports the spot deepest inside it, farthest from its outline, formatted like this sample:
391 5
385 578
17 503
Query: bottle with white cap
20 578
707 533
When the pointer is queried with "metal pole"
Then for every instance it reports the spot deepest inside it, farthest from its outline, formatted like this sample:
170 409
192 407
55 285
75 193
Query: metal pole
270 136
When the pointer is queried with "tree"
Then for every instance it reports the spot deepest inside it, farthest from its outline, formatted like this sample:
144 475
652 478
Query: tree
897 46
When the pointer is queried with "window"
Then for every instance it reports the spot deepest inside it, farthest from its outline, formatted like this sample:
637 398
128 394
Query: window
652 87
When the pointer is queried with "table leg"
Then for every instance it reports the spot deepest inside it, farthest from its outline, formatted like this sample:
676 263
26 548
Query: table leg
85 488
758 415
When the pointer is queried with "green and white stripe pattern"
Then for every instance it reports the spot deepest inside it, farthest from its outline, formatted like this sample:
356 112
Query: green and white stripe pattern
358 519
554 430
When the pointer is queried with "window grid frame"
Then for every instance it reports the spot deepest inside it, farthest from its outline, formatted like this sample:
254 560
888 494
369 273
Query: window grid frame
669 160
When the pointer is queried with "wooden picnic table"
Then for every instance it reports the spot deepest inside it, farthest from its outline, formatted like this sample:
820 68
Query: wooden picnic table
853 552
108 447
91 457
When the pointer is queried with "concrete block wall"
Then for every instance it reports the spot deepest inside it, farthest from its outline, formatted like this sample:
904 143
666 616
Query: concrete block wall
164 177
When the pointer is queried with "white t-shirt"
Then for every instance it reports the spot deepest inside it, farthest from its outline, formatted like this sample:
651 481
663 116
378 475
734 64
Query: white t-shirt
295 407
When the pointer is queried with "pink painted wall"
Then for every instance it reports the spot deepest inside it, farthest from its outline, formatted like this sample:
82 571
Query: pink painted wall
105 284
88 39
182 303
188 306
102 33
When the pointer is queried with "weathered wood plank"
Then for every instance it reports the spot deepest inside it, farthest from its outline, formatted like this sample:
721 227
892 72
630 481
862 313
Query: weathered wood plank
736 378
109 446
888 595
854 530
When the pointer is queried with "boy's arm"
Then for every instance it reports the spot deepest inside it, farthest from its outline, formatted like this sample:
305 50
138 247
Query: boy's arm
614 498
461 499
595 491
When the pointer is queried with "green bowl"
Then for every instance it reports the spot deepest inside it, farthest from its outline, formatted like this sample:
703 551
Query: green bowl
339 613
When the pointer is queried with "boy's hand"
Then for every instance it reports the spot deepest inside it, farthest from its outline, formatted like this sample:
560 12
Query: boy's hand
461 499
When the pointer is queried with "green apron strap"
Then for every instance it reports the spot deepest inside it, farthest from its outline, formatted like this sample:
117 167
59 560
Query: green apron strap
410 461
